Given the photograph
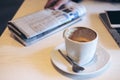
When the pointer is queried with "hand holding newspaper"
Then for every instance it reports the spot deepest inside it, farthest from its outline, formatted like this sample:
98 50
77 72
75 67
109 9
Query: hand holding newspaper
33 27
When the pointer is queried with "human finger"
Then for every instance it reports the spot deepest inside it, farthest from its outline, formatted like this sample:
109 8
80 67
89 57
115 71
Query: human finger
49 3
59 4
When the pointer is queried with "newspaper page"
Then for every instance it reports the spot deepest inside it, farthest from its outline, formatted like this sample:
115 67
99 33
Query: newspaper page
36 23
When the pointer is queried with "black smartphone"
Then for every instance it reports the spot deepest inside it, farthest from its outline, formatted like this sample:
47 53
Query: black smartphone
113 17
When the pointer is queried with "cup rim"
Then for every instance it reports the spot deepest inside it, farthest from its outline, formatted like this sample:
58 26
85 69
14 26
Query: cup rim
80 27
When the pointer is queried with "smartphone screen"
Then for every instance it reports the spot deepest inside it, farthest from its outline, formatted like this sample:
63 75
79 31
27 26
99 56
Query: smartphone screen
114 18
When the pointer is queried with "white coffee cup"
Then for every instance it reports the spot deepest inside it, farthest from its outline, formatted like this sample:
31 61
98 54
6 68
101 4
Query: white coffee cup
81 43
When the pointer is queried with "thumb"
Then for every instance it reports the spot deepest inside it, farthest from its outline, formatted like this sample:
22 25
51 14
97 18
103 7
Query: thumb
59 4
49 3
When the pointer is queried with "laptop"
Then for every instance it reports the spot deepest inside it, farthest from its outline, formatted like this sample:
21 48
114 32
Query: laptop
115 32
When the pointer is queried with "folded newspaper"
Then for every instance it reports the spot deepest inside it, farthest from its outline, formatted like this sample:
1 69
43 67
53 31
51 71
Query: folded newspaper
33 27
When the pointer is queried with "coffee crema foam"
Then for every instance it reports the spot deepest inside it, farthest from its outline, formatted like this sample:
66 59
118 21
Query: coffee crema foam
82 34
79 39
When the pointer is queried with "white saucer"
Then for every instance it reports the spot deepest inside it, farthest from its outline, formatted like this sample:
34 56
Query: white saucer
98 64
